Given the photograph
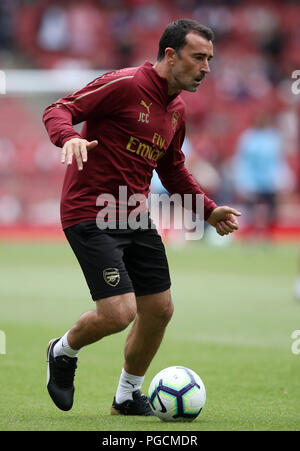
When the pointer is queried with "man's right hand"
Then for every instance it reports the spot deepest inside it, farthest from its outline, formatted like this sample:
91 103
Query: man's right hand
79 148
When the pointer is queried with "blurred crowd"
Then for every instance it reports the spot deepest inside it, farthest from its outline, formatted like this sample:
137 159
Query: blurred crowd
243 123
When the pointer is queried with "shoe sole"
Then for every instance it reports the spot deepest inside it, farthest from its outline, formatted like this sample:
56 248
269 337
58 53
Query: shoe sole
114 411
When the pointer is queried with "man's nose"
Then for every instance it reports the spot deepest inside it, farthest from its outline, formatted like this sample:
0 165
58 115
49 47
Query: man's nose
205 68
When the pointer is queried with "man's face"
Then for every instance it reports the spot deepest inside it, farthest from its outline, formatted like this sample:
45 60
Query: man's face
190 65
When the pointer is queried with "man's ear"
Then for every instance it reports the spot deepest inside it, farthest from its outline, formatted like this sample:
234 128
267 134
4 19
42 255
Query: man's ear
170 55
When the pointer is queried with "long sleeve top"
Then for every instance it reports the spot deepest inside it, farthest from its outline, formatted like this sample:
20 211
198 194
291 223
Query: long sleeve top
139 128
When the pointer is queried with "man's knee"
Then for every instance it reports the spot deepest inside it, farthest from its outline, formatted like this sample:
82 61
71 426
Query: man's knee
166 312
117 311
159 307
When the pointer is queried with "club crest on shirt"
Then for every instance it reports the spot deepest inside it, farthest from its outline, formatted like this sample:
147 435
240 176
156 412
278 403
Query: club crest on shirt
111 276
175 118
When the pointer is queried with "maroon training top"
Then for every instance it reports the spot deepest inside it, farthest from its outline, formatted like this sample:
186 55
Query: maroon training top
139 127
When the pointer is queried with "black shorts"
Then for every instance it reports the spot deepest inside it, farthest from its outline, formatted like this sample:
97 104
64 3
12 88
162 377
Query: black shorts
120 261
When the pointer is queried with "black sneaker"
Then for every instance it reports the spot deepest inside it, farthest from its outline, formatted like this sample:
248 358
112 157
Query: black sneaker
138 406
60 377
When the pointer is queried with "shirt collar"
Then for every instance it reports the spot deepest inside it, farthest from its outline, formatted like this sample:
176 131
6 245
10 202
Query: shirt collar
160 83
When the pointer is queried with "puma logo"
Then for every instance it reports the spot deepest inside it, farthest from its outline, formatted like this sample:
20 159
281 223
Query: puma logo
145 117
143 103
133 385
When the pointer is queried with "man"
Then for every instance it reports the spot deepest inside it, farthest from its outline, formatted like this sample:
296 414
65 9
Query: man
134 123
260 173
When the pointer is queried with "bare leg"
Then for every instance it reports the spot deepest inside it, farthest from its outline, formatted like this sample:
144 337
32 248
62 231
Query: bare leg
153 314
112 315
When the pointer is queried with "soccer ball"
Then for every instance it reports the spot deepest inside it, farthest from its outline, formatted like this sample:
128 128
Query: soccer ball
177 394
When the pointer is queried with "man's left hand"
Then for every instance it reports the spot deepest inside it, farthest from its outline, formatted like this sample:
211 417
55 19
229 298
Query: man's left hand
224 220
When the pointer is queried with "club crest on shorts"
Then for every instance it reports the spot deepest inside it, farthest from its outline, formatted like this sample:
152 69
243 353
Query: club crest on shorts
111 276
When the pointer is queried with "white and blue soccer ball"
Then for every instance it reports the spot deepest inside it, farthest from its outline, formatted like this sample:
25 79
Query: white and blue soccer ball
177 394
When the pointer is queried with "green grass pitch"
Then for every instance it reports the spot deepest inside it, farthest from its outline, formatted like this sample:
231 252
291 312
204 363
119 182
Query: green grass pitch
234 316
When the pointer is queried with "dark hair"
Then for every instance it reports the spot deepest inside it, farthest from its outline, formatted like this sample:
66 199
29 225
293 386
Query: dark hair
175 33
